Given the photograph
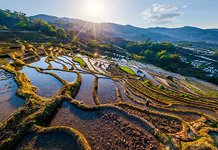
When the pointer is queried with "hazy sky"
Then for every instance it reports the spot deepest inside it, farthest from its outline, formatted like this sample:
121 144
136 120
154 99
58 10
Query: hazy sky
141 13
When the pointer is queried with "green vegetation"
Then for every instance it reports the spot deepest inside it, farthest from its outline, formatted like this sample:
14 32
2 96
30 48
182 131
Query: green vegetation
167 56
202 66
147 82
127 69
80 61
161 87
19 21
160 54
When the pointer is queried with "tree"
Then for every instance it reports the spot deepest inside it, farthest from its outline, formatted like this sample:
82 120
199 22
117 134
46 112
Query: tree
23 25
137 57
61 33
174 58
48 30
149 56
148 52
161 53
37 24
164 60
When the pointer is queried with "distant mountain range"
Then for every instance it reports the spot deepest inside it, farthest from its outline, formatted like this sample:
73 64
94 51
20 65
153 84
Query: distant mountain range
128 32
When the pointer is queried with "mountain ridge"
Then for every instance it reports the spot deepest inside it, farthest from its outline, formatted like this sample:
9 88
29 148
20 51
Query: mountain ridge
130 32
40 15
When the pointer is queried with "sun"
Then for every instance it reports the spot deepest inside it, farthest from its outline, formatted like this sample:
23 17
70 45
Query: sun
93 9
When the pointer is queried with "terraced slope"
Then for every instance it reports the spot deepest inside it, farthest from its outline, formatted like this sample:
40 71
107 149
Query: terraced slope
93 103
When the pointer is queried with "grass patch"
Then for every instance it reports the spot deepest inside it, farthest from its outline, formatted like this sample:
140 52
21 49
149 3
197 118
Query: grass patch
127 69
80 61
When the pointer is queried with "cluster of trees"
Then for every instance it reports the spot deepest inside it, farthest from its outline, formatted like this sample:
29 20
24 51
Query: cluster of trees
140 47
170 61
19 20
160 54
47 29
10 19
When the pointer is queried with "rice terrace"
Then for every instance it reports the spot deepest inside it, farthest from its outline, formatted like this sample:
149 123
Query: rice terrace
67 86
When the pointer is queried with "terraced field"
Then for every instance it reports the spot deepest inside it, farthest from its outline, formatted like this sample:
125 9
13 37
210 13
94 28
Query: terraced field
51 98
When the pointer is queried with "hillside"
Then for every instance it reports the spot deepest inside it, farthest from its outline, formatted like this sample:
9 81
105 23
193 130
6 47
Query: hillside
129 32
19 21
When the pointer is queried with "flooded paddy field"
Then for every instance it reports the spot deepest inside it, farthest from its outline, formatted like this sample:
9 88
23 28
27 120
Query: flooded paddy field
79 67
137 98
95 65
56 65
41 63
124 96
70 61
214 136
9 101
69 64
67 76
53 140
106 91
85 93
47 85
66 59
86 60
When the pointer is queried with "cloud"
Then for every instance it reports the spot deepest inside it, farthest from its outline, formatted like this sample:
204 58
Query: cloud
184 6
161 14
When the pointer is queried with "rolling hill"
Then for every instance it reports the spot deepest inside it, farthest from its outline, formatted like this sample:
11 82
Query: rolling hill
129 32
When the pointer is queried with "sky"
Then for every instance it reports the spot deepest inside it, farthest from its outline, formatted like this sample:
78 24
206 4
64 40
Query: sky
140 13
